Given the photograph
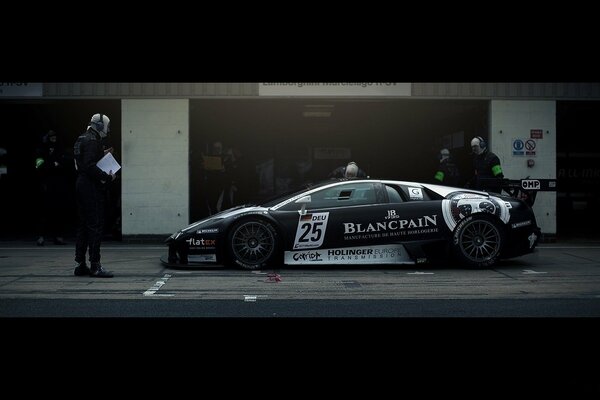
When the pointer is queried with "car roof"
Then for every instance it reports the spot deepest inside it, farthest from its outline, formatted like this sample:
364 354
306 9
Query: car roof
441 190
332 183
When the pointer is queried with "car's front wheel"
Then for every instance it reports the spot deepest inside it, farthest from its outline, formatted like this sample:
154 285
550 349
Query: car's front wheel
478 241
252 243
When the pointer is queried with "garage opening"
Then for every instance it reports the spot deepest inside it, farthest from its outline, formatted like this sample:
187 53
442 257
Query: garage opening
22 205
268 146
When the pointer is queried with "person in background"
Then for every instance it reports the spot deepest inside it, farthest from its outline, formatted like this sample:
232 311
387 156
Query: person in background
3 162
51 167
214 171
447 173
350 170
90 195
487 171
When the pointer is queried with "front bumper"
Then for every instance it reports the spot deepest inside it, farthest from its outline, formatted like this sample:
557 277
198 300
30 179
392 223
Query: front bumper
522 241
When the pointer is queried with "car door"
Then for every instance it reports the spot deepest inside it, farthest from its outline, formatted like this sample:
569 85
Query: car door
412 215
331 214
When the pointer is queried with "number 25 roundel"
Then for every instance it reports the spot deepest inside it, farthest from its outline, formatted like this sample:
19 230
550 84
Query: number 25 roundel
311 230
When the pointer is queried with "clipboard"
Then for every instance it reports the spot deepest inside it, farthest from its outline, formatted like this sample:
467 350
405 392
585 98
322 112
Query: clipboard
108 163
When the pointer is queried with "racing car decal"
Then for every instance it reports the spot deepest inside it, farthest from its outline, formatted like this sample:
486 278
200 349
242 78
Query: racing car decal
311 230
461 205
202 258
386 254
201 243
391 226
415 193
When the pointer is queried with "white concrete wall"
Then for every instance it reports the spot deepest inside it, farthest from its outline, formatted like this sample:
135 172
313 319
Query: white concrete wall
514 119
155 174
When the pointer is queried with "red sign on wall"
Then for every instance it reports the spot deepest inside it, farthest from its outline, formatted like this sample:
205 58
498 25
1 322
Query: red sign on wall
537 133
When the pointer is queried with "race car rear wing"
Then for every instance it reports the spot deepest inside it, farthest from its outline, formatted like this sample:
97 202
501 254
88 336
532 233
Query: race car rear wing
524 189
527 189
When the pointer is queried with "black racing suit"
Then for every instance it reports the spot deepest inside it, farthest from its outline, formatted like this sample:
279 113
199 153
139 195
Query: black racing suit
487 173
90 193
53 177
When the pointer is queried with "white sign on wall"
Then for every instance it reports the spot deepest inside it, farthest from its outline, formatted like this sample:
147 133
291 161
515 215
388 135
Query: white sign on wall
389 89
20 89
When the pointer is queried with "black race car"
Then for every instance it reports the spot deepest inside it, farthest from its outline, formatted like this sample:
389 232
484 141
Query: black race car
361 221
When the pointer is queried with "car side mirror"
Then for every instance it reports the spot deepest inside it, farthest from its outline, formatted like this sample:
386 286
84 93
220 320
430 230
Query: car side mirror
303 200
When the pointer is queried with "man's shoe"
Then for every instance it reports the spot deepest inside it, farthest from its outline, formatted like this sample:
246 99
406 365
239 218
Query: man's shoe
40 241
99 272
82 270
58 240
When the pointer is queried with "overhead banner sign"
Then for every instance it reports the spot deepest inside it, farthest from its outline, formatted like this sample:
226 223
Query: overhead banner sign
335 89
20 89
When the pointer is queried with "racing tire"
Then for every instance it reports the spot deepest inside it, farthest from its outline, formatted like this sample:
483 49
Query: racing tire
252 244
477 241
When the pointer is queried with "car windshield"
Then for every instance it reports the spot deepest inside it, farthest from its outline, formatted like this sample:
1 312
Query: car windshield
278 198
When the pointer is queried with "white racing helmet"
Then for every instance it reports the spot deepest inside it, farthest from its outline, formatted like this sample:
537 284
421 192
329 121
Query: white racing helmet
101 124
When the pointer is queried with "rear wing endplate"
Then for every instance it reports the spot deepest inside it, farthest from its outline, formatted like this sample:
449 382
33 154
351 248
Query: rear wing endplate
527 189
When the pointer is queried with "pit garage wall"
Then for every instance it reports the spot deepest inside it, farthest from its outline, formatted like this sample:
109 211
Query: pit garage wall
511 120
155 175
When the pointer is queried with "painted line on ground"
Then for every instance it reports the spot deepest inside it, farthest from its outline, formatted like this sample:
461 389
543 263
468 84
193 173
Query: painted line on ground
530 271
251 298
568 247
160 283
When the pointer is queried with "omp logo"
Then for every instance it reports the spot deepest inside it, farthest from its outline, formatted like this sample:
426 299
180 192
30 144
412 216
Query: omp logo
531 184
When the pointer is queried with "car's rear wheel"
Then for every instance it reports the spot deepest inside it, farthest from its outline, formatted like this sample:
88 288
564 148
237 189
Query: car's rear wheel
478 241
252 243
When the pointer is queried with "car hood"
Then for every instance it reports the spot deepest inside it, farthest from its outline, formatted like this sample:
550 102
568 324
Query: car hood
229 213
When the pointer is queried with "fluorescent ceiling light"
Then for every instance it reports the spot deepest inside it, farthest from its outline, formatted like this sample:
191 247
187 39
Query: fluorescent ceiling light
316 114
317 110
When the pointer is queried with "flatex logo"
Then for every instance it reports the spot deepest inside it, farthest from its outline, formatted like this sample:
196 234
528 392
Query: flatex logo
201 242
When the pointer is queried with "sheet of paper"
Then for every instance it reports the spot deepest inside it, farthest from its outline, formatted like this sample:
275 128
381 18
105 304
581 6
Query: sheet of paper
213 163
108 163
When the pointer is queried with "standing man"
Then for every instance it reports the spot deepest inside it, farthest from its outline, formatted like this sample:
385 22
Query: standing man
447 172
52 166
90 194
487 172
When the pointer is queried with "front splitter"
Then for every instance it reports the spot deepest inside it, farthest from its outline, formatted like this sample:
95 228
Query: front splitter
164 259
